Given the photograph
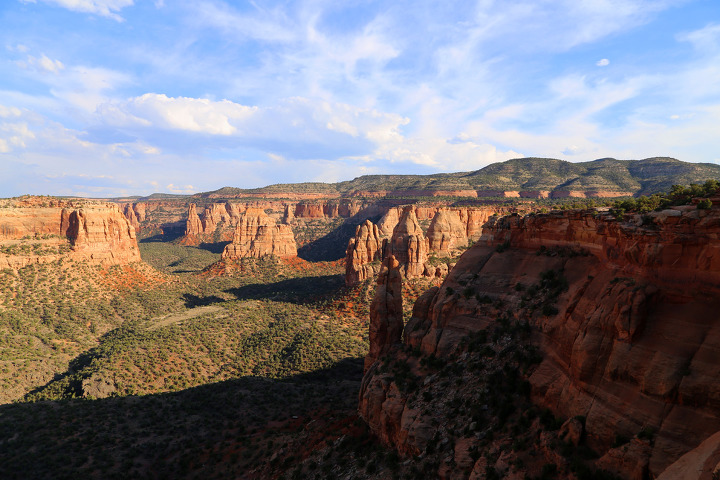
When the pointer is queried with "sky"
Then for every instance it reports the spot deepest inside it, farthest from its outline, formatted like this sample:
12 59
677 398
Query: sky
108 98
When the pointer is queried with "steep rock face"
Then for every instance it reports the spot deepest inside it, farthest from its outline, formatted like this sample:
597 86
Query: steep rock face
449 230
81 231
701 463
258 235
220 213
155 216
409 245
101 235
217 222
475 218
388 221
344 209
289 215
194 225
446 233
635 340
386 312
363 249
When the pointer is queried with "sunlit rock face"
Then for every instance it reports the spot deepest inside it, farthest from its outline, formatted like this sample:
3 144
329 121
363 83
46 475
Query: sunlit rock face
630 343
258 235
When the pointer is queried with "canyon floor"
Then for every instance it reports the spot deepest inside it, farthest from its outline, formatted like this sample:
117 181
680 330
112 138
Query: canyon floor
166 370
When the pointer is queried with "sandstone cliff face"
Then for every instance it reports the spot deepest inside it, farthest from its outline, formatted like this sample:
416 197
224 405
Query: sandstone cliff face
446 233
258 235
387 223
194 225
386 312
449 231
215 216
631 343
80 231
409 245
365 248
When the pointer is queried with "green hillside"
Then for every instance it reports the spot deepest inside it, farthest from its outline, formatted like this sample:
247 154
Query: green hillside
641 177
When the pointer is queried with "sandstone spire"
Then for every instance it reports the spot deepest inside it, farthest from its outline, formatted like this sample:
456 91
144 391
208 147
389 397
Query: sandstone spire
386 312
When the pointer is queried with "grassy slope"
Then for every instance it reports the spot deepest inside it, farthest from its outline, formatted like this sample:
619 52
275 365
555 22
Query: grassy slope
191 395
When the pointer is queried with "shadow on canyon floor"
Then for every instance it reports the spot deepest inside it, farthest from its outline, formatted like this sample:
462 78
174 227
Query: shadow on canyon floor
231 428
302 290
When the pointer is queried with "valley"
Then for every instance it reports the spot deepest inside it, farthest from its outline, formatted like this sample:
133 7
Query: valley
447 326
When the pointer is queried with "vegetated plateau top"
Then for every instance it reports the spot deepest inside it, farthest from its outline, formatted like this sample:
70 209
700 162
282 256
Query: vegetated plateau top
641 177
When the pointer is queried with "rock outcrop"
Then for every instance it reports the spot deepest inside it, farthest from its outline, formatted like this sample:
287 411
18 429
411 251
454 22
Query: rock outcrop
700 463
194 226
34 231
450 230
258 235
364 253
216 223
446 233
409 245
625 315
386 312
388 221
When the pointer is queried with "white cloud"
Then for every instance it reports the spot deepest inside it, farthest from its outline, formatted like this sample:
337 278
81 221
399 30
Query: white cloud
14 135
706 39
182 113
184 189
44 63
6 112
295 127
105 8
603 62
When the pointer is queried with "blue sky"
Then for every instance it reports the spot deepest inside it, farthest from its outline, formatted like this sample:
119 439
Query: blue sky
119 97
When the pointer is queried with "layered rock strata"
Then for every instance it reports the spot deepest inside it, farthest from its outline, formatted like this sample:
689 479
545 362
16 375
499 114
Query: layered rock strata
446 233
33 232
630 344
258 235
364 253
449 231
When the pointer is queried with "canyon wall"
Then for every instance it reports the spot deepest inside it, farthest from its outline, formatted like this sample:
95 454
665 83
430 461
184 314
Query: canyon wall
629 338
257 235
34 230
399 232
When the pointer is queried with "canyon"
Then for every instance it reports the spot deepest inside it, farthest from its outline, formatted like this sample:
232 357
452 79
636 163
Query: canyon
488 334
603 299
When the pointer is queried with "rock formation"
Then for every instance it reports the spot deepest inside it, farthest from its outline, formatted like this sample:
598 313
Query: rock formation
386 312
629 337
289 215
364 249
31 231
217 222
449 231
258 235
388 221
446 233
409 245
194 224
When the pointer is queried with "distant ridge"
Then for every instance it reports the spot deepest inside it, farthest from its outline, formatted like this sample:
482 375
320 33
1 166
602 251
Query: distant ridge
521 177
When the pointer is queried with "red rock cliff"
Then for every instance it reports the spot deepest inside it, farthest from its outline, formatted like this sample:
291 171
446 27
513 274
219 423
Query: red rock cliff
258 235
409 245
632 343
386 312
364 249
32 231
